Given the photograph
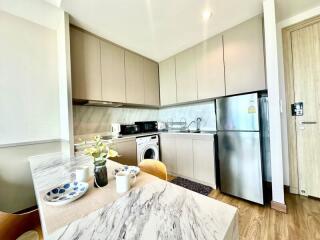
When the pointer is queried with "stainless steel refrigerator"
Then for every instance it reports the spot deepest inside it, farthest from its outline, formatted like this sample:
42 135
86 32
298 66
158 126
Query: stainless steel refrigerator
243 140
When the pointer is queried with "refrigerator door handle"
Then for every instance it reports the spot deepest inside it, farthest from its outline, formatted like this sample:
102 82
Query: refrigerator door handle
306 122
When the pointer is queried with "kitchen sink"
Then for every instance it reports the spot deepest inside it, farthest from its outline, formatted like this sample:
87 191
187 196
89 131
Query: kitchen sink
191 131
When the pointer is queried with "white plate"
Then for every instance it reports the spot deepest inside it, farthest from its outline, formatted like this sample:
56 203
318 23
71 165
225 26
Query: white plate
66 193
130 169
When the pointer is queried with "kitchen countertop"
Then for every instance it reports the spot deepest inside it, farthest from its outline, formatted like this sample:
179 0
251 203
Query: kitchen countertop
155 210
85 140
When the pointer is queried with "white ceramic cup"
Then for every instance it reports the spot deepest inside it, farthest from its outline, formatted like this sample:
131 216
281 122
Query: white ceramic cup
82 174
124 181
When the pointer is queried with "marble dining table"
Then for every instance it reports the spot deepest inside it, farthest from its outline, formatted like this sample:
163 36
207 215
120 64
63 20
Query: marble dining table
151 209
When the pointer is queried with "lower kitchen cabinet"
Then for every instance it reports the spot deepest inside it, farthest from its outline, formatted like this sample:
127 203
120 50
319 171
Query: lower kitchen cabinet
168 152
190 156
203 161
127 150
184 157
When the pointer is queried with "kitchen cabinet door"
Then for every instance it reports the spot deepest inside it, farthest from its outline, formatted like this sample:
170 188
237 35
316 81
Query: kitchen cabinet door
151 82
168 84
184 156
244 57
186 76
127 150
168 152
134 78
204 162
112 73
85 65
210 68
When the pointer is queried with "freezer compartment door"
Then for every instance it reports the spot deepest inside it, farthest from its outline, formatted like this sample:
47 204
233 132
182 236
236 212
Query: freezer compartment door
240 165
238 113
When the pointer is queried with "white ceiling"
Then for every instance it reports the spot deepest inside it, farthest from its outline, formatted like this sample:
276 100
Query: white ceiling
158 29
289 8
36 11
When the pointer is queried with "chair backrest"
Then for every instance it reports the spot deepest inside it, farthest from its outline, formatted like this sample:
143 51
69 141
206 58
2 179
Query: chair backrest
13 225
155 168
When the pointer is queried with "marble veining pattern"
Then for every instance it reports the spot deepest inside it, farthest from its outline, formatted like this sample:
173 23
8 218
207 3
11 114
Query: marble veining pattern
159 210
91 119
45 166
188 113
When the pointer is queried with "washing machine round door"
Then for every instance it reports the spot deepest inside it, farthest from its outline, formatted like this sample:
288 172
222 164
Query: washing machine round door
150 152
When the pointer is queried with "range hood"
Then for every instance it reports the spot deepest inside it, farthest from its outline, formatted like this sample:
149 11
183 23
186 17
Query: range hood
110 104
96 103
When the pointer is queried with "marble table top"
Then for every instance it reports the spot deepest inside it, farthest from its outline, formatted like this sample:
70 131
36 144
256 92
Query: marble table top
156 210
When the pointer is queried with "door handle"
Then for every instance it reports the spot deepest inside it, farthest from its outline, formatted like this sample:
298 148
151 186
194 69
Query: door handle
306 122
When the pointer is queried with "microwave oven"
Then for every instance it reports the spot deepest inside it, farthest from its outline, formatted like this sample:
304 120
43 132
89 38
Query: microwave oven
124 129
147 126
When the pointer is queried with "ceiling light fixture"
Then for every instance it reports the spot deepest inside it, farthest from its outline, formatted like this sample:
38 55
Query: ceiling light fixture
206 14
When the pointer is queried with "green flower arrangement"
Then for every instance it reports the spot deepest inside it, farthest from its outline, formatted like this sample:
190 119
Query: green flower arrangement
100 151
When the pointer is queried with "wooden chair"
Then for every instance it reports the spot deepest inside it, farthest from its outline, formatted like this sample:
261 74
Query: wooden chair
13 226
155 168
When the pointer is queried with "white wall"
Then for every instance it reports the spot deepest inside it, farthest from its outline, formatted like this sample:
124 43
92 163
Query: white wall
30 99
36 11
274 100
29 90
65 87
16 187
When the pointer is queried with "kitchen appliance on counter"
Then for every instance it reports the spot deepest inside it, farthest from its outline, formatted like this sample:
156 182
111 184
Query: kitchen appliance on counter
162 126
243 145
147 126
124 129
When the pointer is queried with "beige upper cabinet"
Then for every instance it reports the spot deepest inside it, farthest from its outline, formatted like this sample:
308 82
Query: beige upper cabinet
103 71
186 76
112 73
168 84
151 82
244 57
85 65
210 68
134 78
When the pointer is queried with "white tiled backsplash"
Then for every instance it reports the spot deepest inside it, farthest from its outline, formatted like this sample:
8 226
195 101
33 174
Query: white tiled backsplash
90 119
190 112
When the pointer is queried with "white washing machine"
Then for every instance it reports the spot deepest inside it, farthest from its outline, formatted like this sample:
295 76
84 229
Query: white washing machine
148 148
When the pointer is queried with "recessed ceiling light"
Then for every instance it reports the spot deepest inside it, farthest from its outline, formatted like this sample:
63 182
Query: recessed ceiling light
206 14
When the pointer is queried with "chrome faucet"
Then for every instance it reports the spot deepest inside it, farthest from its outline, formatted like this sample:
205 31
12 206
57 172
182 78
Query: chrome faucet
198 123
190 124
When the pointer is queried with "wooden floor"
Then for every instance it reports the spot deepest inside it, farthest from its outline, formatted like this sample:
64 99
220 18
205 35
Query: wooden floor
302 222
261 222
